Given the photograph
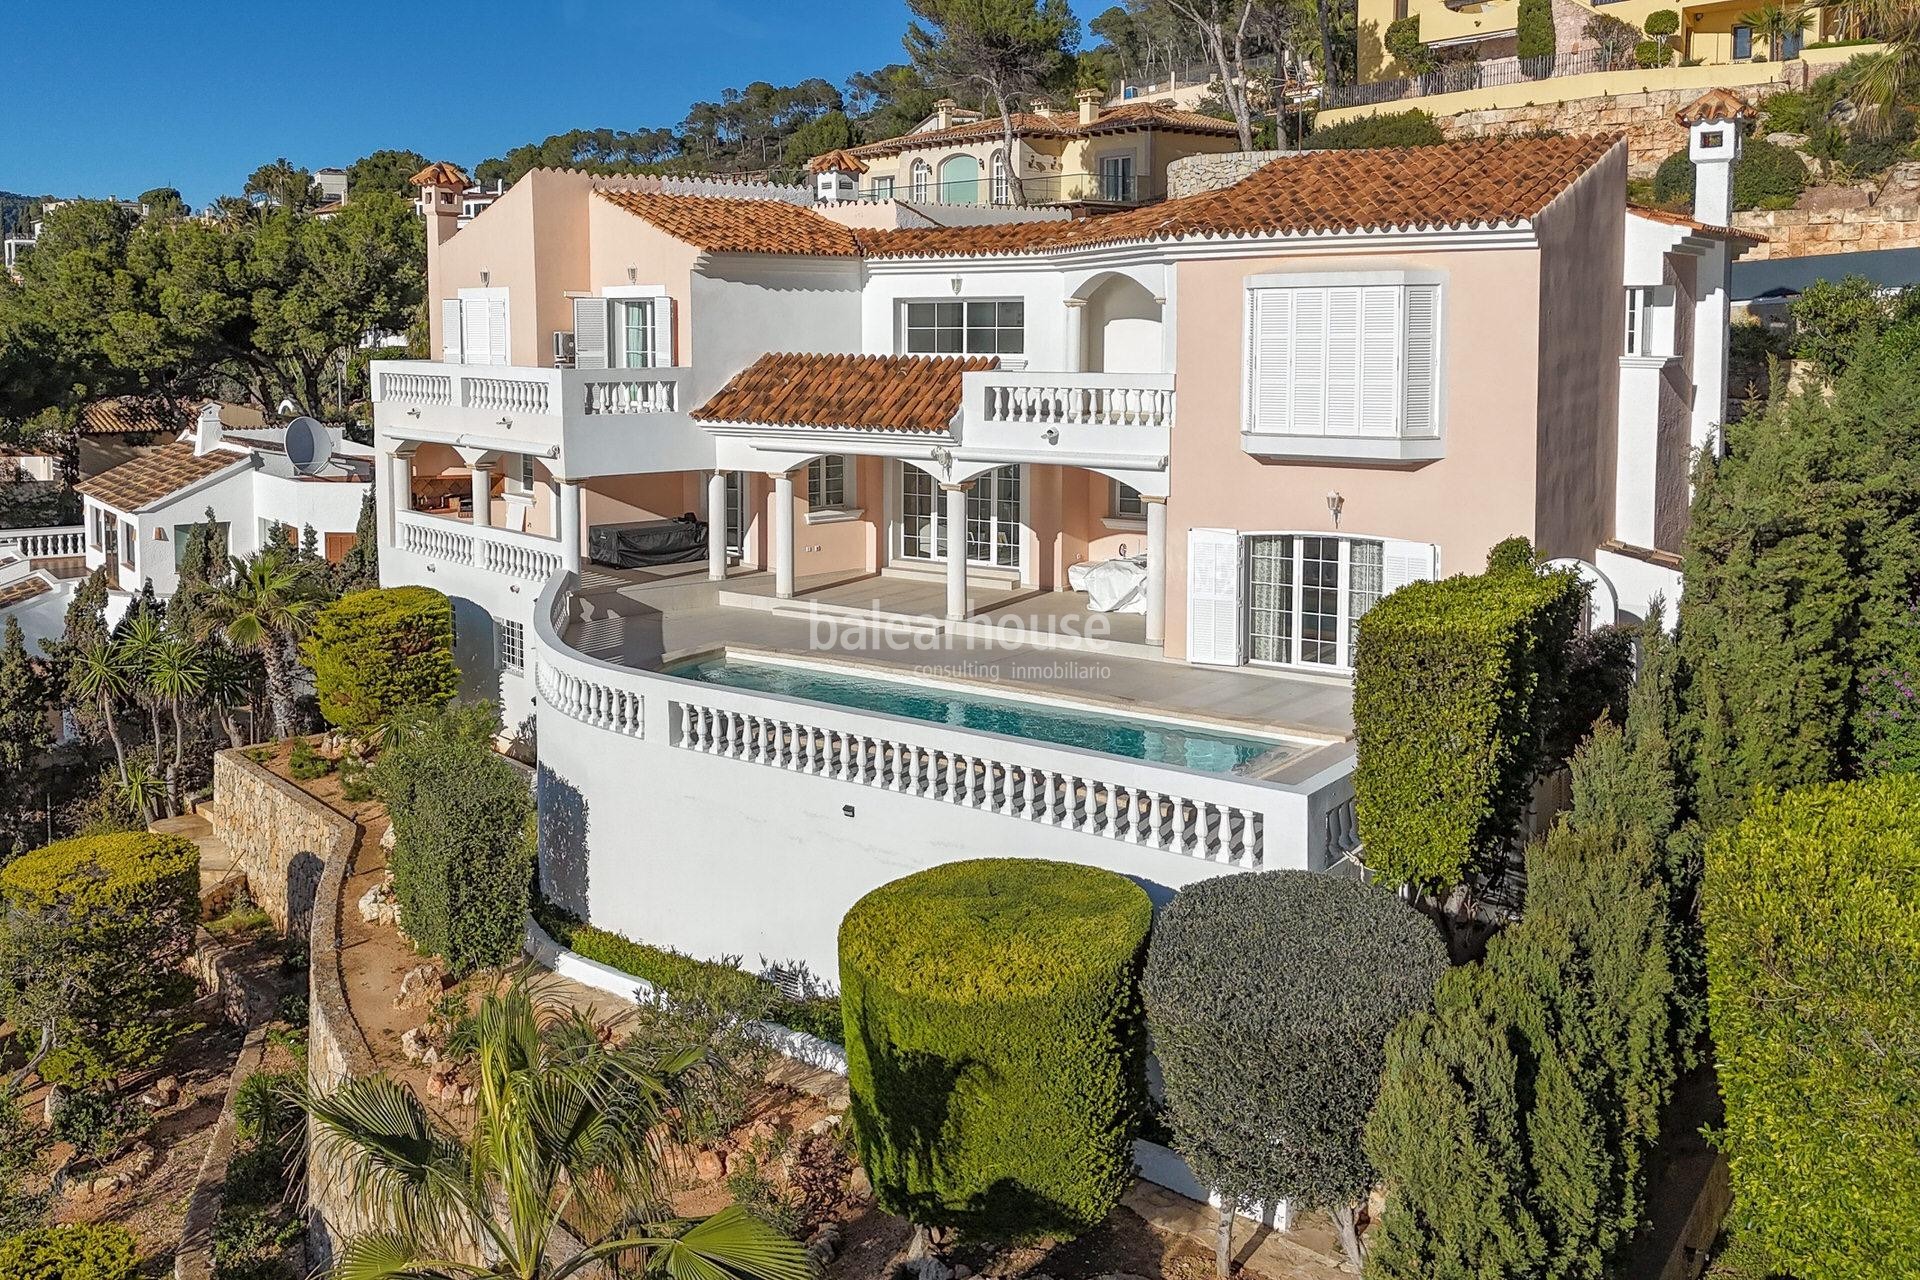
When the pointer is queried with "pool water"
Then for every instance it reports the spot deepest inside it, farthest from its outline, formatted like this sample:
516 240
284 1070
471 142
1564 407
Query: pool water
1160 742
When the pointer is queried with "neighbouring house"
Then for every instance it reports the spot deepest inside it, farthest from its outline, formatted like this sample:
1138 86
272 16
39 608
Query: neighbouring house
1099 155
135 517
125 427
835 548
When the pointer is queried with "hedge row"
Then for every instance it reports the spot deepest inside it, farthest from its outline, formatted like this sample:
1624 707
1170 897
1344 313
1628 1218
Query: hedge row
995 1048
1455 688
679 974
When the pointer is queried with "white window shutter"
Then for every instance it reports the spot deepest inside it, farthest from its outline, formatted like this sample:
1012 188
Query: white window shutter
497 331
450 330
1343 362
661 315
1309 361
1404 562
589 333
1420 392
1269 337
1214 575
1379 344
476 339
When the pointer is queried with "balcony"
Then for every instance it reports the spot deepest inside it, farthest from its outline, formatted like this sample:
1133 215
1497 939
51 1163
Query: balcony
1072 419
594 421
1038 189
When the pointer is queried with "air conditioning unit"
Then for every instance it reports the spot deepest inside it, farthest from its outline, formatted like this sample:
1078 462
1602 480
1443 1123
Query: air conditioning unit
562 349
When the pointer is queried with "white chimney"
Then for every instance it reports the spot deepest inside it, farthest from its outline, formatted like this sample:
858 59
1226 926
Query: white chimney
1714 148
943 113
207 432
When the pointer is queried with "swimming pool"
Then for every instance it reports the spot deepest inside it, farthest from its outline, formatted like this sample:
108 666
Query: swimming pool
1157 741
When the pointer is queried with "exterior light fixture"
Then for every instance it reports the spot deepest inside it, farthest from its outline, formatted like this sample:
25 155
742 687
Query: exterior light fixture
486 278
953 282
1051 435
1334 504
633 275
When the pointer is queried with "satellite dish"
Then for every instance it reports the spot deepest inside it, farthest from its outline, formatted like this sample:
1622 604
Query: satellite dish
309 445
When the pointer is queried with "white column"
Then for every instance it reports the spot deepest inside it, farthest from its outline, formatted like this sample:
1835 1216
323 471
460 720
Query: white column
1076 338
567 514
954 528
482 495
1156 568
400 494
783 534
717 526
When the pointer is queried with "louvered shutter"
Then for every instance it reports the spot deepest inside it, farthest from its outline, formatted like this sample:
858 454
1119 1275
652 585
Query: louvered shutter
1421 387
450 330
589 333
497 331
1404 562
1309 362
476 339
1379 347
660 314
1269 336
1214 575
1343 362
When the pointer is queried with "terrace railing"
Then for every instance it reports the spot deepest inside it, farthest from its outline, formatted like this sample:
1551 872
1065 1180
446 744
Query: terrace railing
1460 77
45 543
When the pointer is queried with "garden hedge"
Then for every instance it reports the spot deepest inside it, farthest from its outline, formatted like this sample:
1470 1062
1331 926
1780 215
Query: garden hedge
1534 36
995 1048
377 652
1812 913
1413 128
1455 687
1403 44
95 930
1766 176
82 1251
1296 978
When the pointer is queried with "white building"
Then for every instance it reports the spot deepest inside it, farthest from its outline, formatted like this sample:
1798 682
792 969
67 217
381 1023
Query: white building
136 516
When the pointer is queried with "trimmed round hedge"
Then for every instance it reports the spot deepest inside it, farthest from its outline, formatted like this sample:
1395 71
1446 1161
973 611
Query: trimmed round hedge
378 652
1765 176
1270 998
995 1048
82 1251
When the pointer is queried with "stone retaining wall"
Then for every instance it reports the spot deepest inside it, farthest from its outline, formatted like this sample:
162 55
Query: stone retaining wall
1800 233
1190 175
194 1259
336 1047
278 835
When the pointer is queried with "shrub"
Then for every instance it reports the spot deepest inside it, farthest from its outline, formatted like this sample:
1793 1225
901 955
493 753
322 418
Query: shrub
1789 111
92 938
1652 53
266 1109
1765 173
1534 36
1296 978
1403 42
375 653
102 1251
1661 23
1831 318
305 763
1810 909
1455 687
99 1124
994 1043
463 837
1413 128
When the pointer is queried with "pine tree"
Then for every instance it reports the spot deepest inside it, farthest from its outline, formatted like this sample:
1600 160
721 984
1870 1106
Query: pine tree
24 738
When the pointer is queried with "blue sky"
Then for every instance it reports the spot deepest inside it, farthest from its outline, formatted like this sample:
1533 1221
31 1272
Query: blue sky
112 98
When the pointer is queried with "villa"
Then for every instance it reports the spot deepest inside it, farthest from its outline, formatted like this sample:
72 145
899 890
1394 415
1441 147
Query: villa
806 546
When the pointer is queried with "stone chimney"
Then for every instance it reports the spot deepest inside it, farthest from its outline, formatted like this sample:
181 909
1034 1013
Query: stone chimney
943 113
1714 124
1089 100
836 176
207 429
441 187
1043 107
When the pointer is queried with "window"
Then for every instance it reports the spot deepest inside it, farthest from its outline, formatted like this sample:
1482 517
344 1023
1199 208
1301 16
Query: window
882 189
960 180
1650 321
1791 43
737 512
633 334
1002 194
1124 502
520 477
993 517
827 483
1742 43
921 179
128 537
1116 177
474 327
1355 361
1306 595
966 328
512 641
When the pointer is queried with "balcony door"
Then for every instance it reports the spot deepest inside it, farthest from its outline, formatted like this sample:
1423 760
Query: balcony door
995 518
1117 181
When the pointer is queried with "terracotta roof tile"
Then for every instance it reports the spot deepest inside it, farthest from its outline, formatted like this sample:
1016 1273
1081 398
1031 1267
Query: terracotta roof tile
155 475
885 393
1714 106
1704 228
840 160
1491 181
125 414
442 174
728 224
1029 124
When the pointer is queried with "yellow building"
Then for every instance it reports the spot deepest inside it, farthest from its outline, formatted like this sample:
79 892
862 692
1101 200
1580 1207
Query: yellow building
1713 34
1099 155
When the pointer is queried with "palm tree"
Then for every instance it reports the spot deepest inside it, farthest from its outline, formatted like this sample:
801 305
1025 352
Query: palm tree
1777 24
142 790
176 671
141 634
266 605
1883 80
102 675
562 1174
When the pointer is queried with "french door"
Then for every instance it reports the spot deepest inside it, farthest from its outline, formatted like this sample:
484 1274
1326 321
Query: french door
1306 595
736 515
993 529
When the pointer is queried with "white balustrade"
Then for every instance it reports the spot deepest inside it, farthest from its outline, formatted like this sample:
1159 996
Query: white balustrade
592 702
1157 817
1093 399
414 388
498 551
632 395
441 540
45 543
518 559
507 394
